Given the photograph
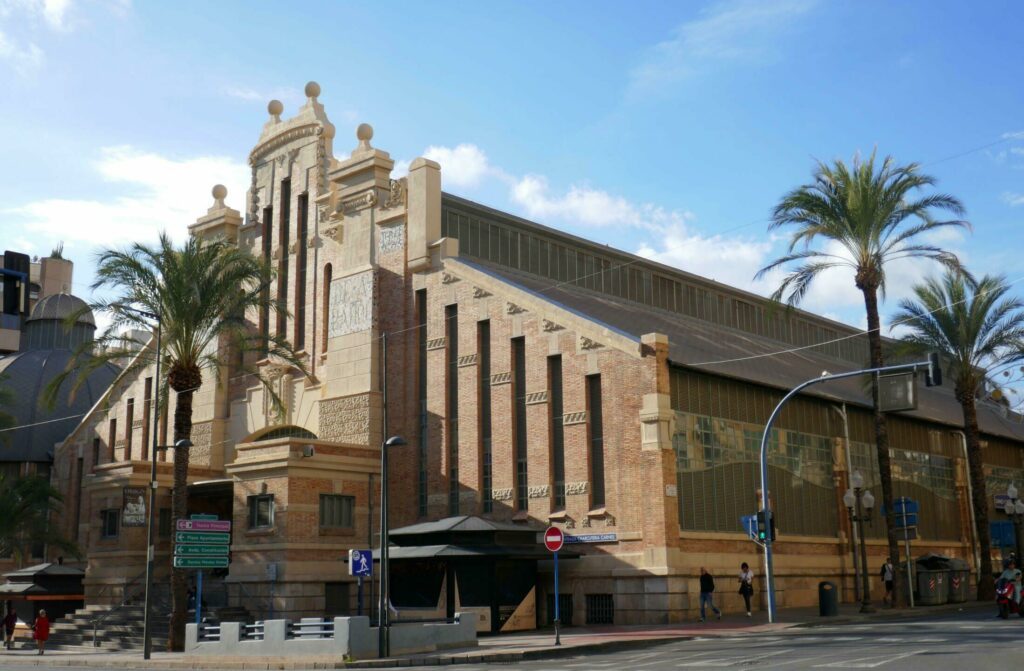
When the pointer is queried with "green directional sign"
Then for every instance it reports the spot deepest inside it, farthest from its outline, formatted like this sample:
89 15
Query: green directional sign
200 562
205 550
205 537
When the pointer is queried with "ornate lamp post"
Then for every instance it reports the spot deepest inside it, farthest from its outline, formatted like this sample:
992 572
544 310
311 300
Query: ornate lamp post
859 503
1015 511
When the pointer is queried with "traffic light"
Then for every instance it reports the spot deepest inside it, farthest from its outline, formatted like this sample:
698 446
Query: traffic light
763 527
933 376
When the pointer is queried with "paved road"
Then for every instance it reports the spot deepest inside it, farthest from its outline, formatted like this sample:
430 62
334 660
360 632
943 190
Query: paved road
975 642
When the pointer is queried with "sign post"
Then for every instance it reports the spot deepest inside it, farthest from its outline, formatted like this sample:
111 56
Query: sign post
553 540
906 518
202 541
360 564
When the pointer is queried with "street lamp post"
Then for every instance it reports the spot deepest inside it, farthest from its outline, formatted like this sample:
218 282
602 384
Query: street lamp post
1015 510
383 639
859 503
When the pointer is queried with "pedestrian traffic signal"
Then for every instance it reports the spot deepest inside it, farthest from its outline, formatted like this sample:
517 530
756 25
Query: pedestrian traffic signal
765 527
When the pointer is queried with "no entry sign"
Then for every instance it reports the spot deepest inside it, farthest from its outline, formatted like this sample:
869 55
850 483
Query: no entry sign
553 539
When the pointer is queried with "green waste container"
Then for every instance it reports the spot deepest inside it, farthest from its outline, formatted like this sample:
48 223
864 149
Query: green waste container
959 581
828 599
932 587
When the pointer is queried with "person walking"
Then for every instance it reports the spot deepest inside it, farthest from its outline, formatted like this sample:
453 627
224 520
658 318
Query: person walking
41 630
707 591
10 623
746 585
887 575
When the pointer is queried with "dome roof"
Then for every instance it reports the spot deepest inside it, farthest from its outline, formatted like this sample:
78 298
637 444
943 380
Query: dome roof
62 306
26 375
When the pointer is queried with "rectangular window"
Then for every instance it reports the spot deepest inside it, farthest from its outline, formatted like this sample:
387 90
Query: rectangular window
261 511
484 410
600 609
519 421
164 523
283 244
336 511
451 327
111 440
147 414
557 431
110 520
128 429
95 453
300 272
421 331
79 465
163 427
268 242
596 432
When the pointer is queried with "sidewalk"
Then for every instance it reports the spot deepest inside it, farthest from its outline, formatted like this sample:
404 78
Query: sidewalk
507 648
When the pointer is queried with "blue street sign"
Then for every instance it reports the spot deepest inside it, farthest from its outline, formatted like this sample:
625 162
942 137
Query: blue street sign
360 563
749 524
1002 533
906 520
905 504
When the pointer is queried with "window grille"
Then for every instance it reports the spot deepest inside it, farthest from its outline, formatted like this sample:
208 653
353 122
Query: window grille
336 511
110 520
564 609
261 511
600 609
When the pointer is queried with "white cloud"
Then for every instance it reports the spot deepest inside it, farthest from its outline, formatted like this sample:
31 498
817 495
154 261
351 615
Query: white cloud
730 260
153 193
1013 199
465 165
24 59
53 12
291 97
729 31
1014 135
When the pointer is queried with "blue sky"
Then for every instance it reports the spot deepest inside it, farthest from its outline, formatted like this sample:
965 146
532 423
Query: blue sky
665 128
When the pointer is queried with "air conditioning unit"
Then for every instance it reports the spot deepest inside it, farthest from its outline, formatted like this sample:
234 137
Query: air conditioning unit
308 451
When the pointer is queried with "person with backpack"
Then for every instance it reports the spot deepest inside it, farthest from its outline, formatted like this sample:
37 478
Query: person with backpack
887 574
707 591
10 624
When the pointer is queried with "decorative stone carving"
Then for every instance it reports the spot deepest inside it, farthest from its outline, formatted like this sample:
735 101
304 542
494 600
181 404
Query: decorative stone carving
312 242
276 254
468 360
570 418
585 522
436 343
576 488
334 232
392 238
294 247
514 309
448 278
588 344
321 160
537 397
345 419
274 143
550 326
538 491
502 494
351 304
293 154
253 217
396 194
479 292
281 158
501 378
368 199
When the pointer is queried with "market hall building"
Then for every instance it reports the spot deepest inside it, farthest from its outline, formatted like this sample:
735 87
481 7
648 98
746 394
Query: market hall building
538 378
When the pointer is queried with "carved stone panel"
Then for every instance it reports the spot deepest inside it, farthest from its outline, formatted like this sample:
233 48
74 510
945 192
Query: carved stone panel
502 494
538 491
576 488
392 238
351 304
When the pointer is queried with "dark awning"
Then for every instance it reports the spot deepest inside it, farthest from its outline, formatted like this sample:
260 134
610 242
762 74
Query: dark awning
452 551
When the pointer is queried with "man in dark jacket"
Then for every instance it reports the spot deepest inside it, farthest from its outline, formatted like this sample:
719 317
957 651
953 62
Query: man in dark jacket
707 590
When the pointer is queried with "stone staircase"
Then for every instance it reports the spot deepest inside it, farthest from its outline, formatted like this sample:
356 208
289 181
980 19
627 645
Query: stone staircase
119 628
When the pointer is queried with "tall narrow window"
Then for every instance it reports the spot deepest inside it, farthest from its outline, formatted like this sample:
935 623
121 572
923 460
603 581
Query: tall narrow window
77 519
596 431
483 339
129 423
421 334
147 415
95 453
328 272
163 427
283 243
519 420
451 329
300 272
111 440
268 243
557 433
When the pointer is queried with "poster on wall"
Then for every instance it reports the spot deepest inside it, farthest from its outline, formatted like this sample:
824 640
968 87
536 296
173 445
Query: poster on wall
133 511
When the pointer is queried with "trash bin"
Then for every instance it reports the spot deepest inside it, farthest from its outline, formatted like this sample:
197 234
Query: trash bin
959 580
828 599
931 587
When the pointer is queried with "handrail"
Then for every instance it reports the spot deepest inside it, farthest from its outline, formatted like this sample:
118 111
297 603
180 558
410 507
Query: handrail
126 599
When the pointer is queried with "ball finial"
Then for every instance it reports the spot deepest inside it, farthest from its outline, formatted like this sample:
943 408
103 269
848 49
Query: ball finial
312 90
364 133
275 107
220 192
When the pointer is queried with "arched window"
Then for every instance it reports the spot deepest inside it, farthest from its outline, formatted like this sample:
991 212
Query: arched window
327 304
283 432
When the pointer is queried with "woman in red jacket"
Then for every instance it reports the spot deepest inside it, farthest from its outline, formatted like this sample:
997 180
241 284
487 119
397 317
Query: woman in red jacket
41 630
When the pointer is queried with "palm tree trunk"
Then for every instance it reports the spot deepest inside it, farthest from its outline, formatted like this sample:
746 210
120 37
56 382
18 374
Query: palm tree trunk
986 588
882 440
179 510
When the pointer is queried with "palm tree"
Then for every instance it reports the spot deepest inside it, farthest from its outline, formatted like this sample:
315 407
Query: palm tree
872 216
25 507
977 329
202 292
